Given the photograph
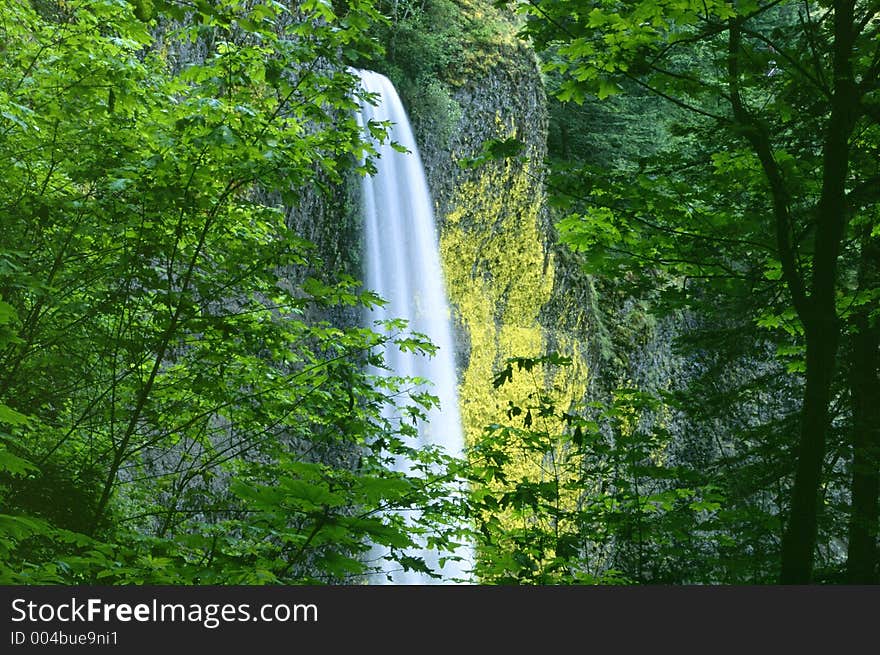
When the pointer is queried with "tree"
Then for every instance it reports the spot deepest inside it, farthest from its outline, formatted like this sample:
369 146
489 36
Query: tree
799 156
175 403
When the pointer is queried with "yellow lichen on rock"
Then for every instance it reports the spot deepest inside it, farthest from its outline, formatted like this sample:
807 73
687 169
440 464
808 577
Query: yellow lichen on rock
499 276
497 281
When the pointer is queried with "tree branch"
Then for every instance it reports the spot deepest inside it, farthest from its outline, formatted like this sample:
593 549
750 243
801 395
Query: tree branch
757 136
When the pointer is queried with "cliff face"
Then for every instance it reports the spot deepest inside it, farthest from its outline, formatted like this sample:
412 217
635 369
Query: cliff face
502 270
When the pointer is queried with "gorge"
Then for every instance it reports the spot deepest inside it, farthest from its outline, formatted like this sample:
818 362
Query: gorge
648 264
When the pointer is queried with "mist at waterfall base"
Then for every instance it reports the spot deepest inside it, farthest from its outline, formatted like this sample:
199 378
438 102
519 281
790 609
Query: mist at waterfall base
402 265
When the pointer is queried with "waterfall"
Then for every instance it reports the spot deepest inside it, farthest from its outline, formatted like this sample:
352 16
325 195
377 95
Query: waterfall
403 266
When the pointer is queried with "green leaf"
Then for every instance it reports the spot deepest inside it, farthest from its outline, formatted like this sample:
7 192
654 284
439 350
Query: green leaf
10 417
607 89
15 465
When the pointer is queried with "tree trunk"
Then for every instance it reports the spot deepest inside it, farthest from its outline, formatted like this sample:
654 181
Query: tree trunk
799 541
820 318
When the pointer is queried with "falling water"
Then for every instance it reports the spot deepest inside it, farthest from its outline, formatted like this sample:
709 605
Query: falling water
403 266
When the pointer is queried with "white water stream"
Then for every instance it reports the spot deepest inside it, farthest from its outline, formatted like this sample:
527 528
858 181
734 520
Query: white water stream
403 266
